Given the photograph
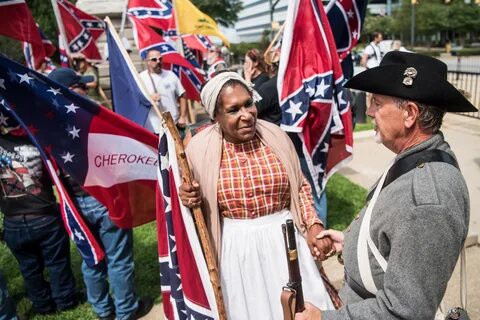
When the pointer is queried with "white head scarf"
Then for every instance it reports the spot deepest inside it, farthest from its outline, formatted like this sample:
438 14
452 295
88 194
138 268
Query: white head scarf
212 88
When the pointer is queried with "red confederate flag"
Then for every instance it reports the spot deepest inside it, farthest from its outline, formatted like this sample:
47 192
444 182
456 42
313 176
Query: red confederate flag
35 54
16 21
147 39
81 30
311 94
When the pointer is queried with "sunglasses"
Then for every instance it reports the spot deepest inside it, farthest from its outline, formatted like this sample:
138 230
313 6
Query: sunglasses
155 59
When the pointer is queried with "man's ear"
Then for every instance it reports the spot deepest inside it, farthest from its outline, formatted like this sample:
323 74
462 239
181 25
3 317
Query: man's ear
411 113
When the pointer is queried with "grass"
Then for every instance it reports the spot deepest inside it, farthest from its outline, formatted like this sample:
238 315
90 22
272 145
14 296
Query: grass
364 126
345 199
147 279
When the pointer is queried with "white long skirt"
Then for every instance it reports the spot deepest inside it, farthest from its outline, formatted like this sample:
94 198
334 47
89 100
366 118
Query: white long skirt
254 268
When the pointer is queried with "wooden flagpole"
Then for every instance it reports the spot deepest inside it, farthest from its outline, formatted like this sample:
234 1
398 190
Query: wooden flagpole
186 177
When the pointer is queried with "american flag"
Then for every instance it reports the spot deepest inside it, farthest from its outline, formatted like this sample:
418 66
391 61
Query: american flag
88 247
155 13
311 95
186 288
111 157
81 30
35 54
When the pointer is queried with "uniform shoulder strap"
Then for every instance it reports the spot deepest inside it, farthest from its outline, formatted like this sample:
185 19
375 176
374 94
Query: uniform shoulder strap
414 160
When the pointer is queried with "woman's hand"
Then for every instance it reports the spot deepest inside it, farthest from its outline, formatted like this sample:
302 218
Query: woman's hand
310 313
248 70
336 236
319 248
190 194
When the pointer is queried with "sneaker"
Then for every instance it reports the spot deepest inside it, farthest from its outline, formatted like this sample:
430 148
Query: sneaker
145 304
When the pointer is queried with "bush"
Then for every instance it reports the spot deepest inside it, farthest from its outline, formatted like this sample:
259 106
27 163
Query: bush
467 52
429 53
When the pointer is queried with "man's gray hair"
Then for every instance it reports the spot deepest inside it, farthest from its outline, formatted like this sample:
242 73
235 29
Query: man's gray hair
430 117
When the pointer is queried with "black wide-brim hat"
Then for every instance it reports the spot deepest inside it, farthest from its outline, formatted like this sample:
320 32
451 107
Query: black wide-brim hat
414 77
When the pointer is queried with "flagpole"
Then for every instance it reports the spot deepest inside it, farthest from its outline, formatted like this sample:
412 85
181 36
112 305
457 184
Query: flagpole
187 177
61 27
275 38
179 35
124 18
199 218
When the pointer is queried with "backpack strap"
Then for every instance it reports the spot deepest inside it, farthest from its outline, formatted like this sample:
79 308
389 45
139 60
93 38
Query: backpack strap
412 161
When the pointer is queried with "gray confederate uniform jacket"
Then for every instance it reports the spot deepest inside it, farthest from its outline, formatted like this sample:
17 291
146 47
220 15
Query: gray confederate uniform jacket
419 224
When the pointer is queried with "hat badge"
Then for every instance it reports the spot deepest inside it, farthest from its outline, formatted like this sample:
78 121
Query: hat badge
410 73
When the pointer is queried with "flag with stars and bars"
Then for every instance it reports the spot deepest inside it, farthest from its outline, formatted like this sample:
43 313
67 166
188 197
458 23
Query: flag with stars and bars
87 245
346 19
314 107
147 39
111 157
185 282
35 54
81 30
198 42
154 13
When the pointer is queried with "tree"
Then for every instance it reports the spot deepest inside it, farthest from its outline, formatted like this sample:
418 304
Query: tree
225 12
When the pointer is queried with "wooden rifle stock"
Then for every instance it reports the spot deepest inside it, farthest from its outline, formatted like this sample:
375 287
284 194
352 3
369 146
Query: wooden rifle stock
292 295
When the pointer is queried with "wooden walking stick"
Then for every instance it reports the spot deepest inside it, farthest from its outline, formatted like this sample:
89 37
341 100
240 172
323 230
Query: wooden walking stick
198 215
187 177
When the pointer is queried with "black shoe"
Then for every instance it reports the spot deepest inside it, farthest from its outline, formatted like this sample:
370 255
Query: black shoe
108 317
145 304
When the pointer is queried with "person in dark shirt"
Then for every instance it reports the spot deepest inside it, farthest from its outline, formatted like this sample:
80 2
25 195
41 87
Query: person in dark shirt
255 68
33 229
268 107
118 265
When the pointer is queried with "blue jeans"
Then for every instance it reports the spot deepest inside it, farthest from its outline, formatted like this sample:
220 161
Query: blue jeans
39 243
7 308
117 266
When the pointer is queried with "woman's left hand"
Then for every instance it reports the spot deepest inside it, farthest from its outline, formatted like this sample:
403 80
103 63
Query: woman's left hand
319 248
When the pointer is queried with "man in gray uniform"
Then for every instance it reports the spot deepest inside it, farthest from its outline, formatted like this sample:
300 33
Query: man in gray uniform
401 251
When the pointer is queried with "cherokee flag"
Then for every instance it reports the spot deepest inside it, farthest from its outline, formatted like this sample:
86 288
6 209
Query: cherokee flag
311 94
113 158
129 97
82 30
35 54
16 21
185 282
146 39
346 20
91 252
154 13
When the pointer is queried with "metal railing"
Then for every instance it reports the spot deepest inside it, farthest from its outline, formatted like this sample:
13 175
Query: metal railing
469 83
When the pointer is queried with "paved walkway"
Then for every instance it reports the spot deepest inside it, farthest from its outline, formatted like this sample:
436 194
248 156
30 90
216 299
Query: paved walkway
369 161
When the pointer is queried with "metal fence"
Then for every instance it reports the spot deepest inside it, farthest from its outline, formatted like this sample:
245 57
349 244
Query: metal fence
469 83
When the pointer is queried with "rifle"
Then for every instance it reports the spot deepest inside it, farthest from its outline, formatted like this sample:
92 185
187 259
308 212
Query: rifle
292 293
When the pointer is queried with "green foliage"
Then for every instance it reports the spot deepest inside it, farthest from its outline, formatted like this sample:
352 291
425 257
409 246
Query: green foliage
344 201
147 279
468 52
42 12
375 23
225 12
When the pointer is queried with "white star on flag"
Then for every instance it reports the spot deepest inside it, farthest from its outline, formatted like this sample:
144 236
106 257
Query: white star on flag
54 91
294 108
68 157
2 84
350 14
325 148
24 78
78 235
80 43
75 47
310 91
164 162
74 132
3 119
355 34
71 108
321 88
340 98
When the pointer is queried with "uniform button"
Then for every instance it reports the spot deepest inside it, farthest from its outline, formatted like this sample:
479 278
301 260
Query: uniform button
252 213
250 194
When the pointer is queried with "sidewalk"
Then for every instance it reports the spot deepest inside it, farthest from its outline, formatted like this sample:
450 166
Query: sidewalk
463 135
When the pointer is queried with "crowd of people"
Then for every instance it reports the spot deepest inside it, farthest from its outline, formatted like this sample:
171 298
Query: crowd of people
415 218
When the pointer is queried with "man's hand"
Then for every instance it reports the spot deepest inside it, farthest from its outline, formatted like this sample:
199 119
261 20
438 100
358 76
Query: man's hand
182 122
336 236
156 97
190 194
319 248
310 313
